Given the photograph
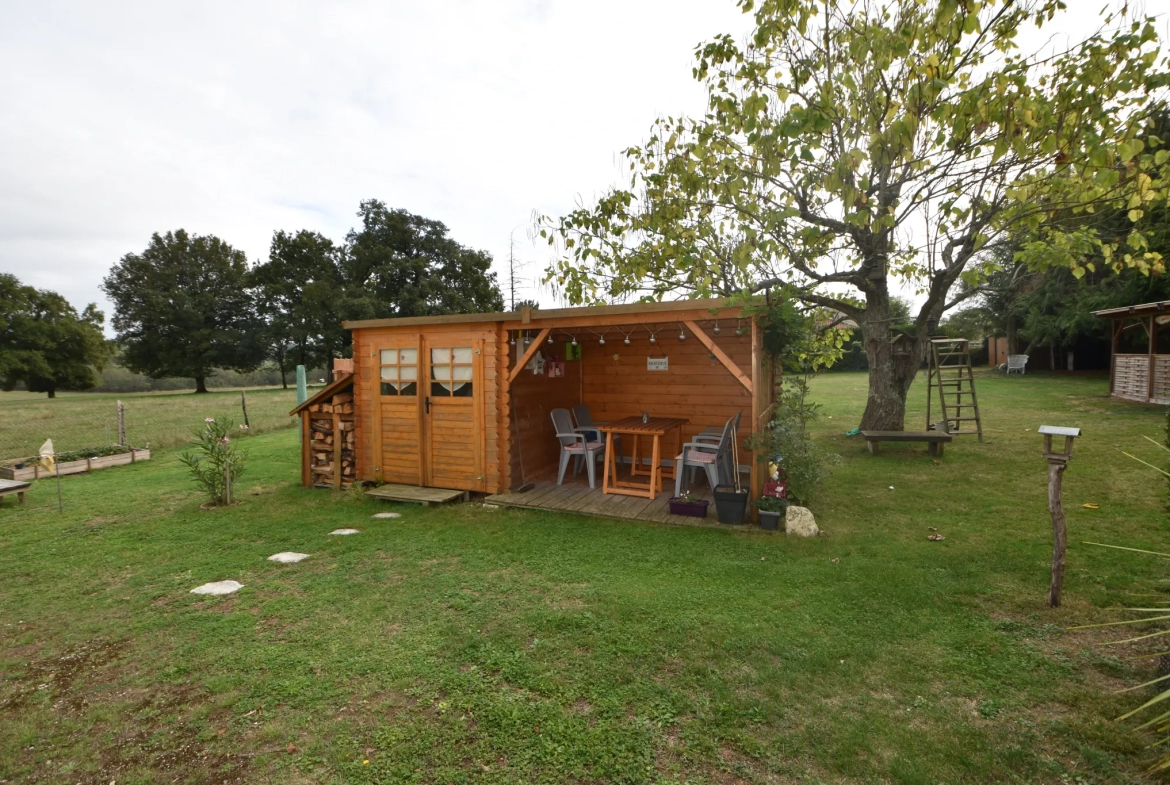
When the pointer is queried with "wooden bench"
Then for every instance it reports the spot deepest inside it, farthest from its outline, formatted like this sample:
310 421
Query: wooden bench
935 440
13 486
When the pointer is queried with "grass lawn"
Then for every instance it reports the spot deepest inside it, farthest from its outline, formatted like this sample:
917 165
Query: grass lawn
161 419
462 644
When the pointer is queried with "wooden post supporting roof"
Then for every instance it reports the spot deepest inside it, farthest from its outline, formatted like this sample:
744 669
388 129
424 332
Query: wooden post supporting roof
720 355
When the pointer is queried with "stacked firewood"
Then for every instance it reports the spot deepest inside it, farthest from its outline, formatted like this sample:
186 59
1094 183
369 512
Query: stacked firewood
324 439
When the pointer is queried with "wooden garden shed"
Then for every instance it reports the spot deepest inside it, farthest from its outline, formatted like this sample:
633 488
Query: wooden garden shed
1140 366
463 402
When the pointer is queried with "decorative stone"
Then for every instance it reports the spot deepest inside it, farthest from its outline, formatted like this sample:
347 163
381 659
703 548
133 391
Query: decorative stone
386 515
218 587
799 521
343 532
288 557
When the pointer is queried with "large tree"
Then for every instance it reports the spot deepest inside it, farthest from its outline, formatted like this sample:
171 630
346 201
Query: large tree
850 145
401 264
183 308
45 344
300 293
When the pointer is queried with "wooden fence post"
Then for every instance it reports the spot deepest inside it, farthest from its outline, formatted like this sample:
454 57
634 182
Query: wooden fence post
121 424
1059 530
244 406
1057 463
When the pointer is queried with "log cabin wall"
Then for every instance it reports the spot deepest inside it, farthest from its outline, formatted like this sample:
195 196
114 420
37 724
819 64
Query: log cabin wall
532 399
696 385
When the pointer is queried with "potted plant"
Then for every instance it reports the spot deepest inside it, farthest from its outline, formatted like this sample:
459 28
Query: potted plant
772 510
689 506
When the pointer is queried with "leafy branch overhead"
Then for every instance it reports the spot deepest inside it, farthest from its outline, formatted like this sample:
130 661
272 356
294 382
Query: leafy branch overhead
837 126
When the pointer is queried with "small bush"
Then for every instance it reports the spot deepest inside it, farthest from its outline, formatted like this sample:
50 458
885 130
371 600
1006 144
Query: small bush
214 460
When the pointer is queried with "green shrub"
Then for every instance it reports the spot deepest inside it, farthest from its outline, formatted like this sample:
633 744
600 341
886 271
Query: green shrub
214 460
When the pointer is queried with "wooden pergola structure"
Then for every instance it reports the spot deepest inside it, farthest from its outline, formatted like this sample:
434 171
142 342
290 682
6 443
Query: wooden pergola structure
1140 367
463 401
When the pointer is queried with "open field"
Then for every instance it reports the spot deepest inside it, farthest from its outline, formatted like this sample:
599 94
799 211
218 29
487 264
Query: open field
461 644
161 419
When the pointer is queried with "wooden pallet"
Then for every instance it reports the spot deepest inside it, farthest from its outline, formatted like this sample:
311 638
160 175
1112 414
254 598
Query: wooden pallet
415 494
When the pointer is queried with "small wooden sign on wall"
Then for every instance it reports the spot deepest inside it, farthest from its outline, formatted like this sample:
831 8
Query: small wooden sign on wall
657 363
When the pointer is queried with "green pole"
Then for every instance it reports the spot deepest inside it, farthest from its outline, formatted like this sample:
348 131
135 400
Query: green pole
302 391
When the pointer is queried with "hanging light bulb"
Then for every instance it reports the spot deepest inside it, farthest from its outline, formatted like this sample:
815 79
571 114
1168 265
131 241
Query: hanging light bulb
682 334
716 330
512 340
527 339
574 340
653 338
627 340
550 337
602 340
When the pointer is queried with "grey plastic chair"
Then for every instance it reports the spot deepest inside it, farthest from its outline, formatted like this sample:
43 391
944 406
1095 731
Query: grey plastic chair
585 422
706 455
574 444
714 435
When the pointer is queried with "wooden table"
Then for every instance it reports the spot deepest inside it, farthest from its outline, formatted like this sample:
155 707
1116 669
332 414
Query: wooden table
656 428
13 486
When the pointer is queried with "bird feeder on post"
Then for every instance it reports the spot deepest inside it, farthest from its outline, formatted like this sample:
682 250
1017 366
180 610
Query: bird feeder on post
1057 461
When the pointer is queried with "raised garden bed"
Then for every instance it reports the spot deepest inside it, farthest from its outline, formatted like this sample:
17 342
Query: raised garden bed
31 469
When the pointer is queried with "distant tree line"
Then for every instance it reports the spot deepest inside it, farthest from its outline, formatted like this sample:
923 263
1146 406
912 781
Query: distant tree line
189 306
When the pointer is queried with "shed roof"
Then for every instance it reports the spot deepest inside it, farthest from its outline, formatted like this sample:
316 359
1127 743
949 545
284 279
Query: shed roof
1145 309
537 314
329 390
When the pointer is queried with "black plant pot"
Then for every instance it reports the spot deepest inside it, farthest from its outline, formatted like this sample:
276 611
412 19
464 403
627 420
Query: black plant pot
770 521
730 504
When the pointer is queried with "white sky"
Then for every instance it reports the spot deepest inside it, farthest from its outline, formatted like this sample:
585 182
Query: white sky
120 119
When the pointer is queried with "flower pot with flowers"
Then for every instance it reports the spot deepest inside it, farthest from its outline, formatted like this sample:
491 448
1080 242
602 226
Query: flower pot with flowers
772 509
688 505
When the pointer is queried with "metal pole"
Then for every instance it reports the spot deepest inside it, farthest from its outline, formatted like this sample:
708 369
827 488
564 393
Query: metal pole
302 391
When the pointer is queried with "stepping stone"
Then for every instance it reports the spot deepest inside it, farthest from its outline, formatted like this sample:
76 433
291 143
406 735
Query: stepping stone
218 587
386 515
343 532
288 557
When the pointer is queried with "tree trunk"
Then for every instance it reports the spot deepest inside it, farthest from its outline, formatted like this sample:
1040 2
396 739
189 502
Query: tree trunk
52 392
200 384
890 373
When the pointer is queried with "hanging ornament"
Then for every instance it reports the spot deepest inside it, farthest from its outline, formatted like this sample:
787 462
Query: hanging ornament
602 340
512 339
716 330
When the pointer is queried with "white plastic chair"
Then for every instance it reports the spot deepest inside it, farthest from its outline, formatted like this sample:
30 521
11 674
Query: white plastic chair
1016 363
574 444
707 455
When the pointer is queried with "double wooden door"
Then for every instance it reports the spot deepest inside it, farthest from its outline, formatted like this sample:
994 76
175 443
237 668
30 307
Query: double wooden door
431 407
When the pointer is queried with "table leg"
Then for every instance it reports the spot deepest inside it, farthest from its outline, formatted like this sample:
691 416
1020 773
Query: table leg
655 469
608 463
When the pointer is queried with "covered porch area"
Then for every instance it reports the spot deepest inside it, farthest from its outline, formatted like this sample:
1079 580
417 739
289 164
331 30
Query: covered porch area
696 363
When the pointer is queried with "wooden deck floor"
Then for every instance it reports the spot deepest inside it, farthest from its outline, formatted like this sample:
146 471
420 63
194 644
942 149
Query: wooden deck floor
576 496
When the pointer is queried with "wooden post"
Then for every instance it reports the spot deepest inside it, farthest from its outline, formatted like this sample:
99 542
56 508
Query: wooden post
1056 469
244 406
122 424
227 483
1057 463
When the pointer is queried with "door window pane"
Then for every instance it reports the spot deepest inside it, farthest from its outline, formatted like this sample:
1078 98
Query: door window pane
390 373
441 372
440 355
389 357
462 355
462 373
408 356
408 373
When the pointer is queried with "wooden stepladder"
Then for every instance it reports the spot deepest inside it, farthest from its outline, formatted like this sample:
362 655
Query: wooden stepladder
950 373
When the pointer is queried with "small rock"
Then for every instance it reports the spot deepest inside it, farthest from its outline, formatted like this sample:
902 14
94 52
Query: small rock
800 521
288 557
343 532
386 515
891 487
218 587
